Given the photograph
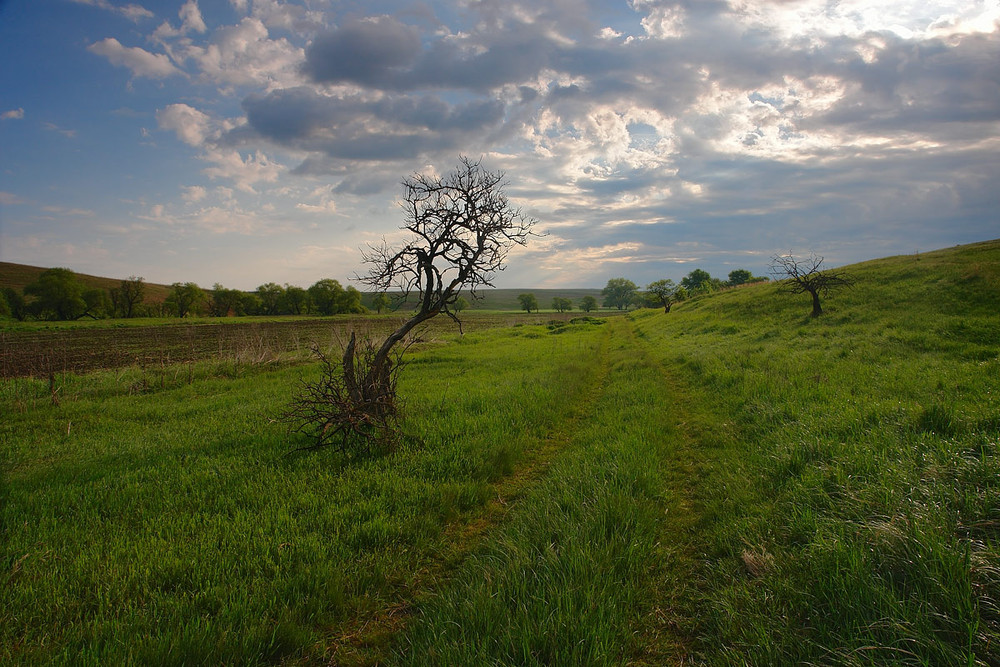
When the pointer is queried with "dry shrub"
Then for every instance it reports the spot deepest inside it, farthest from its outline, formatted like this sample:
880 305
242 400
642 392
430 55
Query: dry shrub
353 406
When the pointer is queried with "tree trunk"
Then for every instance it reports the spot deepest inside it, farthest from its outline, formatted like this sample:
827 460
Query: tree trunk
817 310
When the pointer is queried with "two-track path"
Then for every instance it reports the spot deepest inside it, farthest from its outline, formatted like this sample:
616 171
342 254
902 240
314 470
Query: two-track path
588 553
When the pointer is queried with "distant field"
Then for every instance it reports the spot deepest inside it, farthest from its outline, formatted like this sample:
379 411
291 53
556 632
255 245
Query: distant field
732 483
38 349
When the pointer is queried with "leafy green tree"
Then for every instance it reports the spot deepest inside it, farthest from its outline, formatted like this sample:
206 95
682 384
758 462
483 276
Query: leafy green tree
224 301
528 302
739 277
588 303
698 280
58 295
185 299
461 304
561 304
127 298
248 304
271 296
296 300
381 302
350 302
666 293
619 293
16 306
326 296
98 303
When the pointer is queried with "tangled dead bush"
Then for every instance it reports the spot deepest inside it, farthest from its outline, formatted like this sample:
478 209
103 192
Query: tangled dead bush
353 406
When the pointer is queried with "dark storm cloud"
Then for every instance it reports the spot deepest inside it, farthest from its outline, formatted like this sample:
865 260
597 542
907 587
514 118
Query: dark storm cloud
355 128
924 86
366 52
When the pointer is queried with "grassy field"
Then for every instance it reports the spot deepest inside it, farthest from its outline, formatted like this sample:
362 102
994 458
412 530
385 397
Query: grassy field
731 483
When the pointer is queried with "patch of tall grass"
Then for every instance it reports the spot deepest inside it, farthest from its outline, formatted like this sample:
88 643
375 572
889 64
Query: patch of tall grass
855 520
171 525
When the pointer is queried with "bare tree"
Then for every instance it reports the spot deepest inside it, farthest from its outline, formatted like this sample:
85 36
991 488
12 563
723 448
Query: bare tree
800 276
462 227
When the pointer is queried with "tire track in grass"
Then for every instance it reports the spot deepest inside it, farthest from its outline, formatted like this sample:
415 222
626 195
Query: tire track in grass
591 566
366 640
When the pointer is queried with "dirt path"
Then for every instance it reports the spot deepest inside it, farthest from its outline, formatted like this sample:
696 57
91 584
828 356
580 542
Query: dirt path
664 450
366 641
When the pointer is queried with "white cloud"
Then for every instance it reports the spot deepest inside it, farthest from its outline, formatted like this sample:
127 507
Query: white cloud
246 172
191 17
13 114
243 54
140 61
192 126
132 12
194 193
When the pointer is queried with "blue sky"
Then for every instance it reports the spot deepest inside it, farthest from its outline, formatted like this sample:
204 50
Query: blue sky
248 141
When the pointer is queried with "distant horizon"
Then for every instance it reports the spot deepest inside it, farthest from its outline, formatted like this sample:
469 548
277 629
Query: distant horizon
360 288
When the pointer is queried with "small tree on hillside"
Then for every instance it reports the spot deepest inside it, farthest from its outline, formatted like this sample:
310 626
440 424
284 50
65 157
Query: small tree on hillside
528 302
666 293
700 281
462 226
799 276
739 277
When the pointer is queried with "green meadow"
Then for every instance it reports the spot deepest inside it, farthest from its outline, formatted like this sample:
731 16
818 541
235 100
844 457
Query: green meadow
732 483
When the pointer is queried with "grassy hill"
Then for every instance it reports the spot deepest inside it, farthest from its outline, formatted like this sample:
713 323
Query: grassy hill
19 275
731 483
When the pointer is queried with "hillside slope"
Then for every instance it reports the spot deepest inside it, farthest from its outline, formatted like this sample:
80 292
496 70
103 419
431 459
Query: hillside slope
851 506
19 275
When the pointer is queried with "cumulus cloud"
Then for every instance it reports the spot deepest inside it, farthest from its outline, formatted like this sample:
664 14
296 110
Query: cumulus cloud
191 125
13 114
139 61
725 127
365 51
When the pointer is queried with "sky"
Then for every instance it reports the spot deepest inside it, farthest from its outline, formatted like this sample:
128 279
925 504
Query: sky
249 141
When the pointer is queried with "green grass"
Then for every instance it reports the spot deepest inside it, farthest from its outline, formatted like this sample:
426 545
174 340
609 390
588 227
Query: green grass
169 525
731 483
855 519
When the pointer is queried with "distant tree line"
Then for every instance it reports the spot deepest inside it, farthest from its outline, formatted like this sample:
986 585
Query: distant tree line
58 294
623 294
